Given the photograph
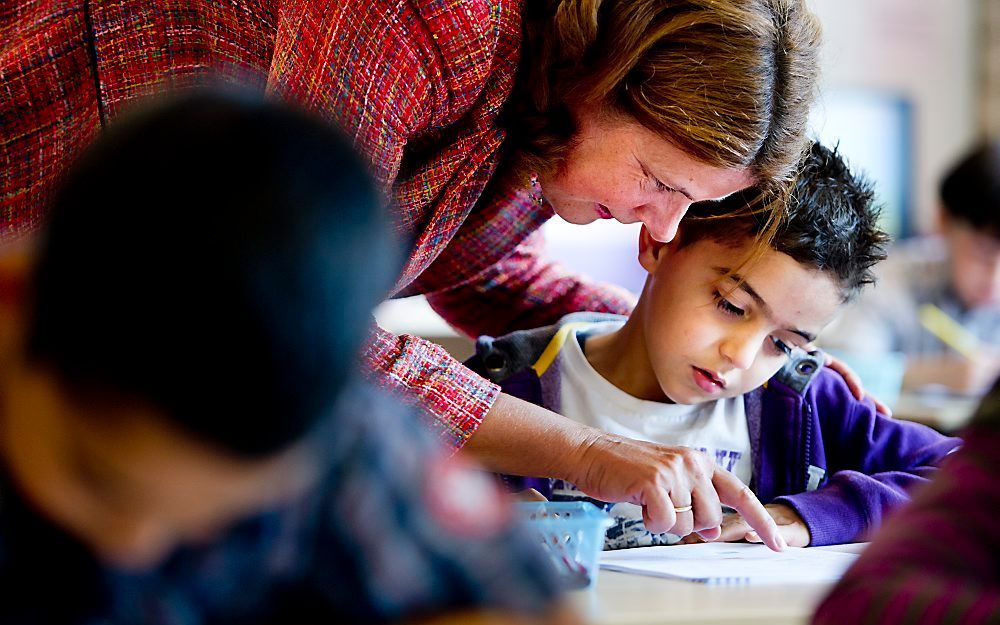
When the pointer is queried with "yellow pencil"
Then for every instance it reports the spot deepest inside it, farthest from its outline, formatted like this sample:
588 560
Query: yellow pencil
949 331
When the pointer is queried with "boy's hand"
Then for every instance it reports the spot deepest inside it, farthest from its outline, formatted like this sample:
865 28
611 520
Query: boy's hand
529 494
790 524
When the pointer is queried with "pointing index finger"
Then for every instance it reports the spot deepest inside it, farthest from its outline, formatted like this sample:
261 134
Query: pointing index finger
738 496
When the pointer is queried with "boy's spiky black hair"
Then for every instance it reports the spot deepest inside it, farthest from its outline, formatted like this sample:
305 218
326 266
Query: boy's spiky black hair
830 223
218 256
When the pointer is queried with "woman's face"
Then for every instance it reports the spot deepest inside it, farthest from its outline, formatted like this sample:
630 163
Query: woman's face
618 169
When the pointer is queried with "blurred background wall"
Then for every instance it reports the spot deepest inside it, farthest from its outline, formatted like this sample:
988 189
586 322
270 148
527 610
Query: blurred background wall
923 57
989 54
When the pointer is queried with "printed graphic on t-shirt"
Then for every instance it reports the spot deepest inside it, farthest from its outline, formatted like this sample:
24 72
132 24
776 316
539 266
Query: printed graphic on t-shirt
725 458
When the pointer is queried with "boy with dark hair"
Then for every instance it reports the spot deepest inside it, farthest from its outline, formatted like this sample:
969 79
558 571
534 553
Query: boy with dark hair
182 436
957 271
718 356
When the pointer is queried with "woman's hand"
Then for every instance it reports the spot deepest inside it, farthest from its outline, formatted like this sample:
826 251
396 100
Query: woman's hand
519 438
854 383
680 489
793 529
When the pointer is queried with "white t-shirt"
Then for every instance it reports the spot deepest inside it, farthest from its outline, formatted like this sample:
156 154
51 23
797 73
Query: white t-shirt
719 428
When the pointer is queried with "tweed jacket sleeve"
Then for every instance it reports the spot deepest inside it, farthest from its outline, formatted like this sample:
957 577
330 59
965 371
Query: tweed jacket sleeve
522 291
454 398
49 110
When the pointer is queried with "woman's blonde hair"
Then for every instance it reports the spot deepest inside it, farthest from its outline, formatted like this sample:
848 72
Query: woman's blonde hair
730 82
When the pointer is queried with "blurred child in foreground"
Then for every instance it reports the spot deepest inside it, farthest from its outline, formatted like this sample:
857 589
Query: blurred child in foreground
937 562
182 436
718 356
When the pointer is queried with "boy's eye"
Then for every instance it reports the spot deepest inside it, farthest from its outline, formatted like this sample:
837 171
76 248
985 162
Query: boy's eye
781 346
727 307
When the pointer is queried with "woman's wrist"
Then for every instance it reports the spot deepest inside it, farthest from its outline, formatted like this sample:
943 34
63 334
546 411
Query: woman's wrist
585 455
519 438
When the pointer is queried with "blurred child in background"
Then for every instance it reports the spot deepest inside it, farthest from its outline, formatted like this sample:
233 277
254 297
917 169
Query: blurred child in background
957 271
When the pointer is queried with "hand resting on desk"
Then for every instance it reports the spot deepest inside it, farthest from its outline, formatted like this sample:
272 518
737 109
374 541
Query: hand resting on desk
735 528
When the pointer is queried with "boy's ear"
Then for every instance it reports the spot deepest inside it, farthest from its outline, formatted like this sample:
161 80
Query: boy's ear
941 219
16 262
651 251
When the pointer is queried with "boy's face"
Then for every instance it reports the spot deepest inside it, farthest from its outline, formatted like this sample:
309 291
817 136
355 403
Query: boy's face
122 480
709 337
975 264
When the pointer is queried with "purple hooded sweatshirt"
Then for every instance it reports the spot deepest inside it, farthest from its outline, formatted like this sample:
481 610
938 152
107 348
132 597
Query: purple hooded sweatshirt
841 465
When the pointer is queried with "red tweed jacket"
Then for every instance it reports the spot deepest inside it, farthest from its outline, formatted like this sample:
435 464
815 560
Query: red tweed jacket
417 84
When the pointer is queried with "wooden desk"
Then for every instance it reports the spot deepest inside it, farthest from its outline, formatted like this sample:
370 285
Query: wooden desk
626 599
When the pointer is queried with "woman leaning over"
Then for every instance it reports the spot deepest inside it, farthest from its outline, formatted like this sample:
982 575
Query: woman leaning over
482 118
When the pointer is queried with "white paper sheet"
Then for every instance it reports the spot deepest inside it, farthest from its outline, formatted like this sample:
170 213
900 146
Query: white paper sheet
731 563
